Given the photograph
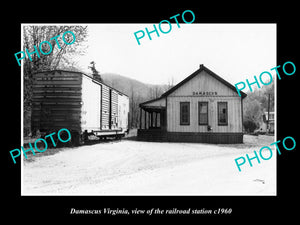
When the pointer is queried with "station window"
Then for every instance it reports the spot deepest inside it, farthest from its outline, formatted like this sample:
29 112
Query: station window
222 114
203 113
184 113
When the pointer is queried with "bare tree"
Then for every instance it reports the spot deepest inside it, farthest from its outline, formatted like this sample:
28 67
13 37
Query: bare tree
60 57
170 82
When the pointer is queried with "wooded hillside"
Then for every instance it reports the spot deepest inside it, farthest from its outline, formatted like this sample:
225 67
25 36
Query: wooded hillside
137 92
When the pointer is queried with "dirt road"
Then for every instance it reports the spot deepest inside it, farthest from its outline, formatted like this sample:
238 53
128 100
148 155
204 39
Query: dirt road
129 167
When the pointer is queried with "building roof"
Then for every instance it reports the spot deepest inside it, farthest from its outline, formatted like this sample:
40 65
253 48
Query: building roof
152 100
202 67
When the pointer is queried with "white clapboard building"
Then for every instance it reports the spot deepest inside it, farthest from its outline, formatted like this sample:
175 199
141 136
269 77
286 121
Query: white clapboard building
201 108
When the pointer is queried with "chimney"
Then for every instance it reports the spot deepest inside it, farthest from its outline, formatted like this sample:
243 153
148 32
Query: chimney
201 66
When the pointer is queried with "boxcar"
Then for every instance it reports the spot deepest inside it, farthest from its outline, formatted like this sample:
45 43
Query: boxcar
76 101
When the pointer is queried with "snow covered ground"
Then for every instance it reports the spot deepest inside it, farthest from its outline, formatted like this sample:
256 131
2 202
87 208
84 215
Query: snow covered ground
130 167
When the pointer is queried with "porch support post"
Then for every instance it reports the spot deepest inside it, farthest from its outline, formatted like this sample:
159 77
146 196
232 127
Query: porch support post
145 119
140 118
148 120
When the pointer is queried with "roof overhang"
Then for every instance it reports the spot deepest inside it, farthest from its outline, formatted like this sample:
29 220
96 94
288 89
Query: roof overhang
154 105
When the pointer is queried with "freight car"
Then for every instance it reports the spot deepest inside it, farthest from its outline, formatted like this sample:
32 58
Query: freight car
81 103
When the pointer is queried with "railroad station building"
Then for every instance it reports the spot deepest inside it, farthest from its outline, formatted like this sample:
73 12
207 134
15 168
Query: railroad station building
201 108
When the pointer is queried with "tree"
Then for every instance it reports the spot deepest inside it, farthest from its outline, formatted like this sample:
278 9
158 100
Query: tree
255 104
170 82
95 73
252 114
155 91
59 58
134 111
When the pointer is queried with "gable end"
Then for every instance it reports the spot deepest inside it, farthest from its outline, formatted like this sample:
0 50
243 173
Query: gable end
211 73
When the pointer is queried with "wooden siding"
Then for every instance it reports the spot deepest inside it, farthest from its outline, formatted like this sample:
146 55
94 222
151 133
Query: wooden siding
215 138
114 109
91 98
109 108
72 100
123 110
105 107
217 92
56 100
151 135
201 86
163 136
203 82
234 114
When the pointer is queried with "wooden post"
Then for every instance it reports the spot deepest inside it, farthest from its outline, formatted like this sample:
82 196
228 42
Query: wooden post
140 118
148 120
145 119
268 121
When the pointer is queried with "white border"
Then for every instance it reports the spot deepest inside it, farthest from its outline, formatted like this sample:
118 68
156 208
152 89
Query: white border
22 112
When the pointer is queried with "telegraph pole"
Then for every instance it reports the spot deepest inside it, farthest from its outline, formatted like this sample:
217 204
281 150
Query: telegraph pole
268 128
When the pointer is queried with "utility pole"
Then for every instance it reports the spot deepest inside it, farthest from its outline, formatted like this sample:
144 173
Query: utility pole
268 128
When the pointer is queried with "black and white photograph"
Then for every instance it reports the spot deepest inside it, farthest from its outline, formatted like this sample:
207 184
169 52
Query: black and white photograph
144 111
148 110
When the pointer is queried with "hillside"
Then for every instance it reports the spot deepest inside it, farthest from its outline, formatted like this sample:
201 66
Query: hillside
137 92
133 87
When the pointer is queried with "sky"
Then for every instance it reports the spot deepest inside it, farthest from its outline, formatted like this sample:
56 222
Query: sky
235 52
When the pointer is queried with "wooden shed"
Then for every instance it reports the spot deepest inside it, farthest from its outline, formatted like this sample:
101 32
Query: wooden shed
201 108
